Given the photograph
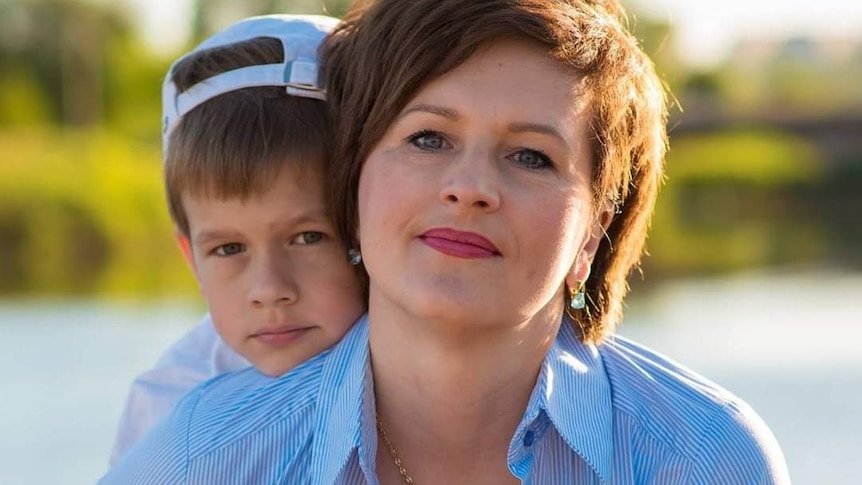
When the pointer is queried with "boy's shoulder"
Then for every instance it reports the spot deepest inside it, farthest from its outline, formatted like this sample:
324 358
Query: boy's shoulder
236 405
245 427
243 402
717 432
240 427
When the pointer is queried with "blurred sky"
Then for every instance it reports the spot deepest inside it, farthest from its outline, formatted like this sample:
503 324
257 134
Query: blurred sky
705 31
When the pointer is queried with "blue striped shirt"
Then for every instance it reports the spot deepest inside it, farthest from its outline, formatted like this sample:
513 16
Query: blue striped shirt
613 414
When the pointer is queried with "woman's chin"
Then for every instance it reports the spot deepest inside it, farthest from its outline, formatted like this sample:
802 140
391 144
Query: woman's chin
453 308
444 300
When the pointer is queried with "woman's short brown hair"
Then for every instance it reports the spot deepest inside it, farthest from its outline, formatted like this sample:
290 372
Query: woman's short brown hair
385 51
235 144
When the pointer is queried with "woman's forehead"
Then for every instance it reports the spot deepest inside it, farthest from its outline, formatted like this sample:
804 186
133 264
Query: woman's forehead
513 80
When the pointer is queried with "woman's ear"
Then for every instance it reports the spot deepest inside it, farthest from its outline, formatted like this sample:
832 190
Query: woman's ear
580 270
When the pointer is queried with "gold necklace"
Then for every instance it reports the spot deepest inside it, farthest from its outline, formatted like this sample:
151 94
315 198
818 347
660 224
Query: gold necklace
403 471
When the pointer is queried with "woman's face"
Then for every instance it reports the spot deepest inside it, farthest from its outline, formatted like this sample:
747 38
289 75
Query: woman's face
476 203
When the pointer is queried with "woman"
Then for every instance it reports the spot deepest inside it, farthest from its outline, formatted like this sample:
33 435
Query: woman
496 156
500 164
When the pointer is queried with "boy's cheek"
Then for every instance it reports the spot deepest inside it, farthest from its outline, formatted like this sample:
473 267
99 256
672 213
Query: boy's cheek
216 275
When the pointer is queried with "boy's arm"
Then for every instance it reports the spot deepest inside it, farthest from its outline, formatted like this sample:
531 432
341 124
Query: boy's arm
197 356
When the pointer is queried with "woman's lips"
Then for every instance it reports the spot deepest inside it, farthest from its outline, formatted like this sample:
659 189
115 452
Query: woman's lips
460 244
278 336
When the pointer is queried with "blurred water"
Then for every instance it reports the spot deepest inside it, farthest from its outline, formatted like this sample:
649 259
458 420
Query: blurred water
65 368
788 344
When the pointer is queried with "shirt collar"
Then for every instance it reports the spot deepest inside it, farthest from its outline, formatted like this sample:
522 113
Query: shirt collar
572 389
574 392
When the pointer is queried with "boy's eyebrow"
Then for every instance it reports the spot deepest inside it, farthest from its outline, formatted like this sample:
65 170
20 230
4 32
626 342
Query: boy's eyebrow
207 236
204 237
305 218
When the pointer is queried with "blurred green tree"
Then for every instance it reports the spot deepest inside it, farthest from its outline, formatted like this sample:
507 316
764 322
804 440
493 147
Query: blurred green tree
75 63
62 41
81 203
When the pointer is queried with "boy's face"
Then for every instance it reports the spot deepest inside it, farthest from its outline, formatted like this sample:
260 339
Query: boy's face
278 283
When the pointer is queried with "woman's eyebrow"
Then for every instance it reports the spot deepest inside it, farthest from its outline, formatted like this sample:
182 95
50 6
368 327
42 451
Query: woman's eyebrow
527 127
452 115
447 113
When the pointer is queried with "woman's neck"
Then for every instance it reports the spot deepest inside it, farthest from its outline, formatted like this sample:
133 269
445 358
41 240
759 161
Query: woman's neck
450 396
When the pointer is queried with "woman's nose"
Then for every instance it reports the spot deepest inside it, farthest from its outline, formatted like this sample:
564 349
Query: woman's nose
472 182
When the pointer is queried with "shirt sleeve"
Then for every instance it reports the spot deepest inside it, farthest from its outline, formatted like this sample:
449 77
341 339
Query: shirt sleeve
197 356
740 449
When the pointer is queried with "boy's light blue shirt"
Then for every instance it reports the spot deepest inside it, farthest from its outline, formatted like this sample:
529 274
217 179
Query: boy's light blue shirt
616 414
199 355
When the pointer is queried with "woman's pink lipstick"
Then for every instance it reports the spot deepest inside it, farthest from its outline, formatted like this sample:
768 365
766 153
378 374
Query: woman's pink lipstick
459 244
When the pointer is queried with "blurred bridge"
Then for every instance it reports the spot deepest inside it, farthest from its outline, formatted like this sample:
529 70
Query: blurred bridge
839 137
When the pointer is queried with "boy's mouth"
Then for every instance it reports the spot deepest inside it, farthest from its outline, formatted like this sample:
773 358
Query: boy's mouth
279 334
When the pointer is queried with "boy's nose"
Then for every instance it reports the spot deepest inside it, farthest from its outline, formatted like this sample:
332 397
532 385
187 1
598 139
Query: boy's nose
271 284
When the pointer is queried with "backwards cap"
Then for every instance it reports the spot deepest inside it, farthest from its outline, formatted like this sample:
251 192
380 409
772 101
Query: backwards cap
300 37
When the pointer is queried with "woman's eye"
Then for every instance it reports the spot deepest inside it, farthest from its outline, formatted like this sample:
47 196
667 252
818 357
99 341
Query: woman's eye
308 237
532 159
229 249
428 140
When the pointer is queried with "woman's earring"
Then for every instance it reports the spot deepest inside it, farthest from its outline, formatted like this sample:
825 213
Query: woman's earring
577 299
354 256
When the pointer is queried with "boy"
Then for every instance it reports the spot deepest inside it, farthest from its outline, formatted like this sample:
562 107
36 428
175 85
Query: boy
246 139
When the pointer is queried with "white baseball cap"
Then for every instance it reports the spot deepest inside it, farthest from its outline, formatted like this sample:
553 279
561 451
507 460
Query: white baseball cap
300 37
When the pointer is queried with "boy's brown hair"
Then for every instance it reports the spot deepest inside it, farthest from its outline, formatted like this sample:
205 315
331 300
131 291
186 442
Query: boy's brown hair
235 144
385 51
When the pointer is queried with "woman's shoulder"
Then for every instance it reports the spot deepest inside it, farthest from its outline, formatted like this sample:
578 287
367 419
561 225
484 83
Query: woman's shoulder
718 433
635 370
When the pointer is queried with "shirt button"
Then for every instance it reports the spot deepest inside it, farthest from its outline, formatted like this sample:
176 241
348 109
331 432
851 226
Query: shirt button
529 438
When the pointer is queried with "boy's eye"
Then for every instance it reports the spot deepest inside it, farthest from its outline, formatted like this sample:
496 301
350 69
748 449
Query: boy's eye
229 249
308 237
531 159
428 140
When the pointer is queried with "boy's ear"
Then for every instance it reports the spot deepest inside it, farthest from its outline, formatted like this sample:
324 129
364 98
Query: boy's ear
186 248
